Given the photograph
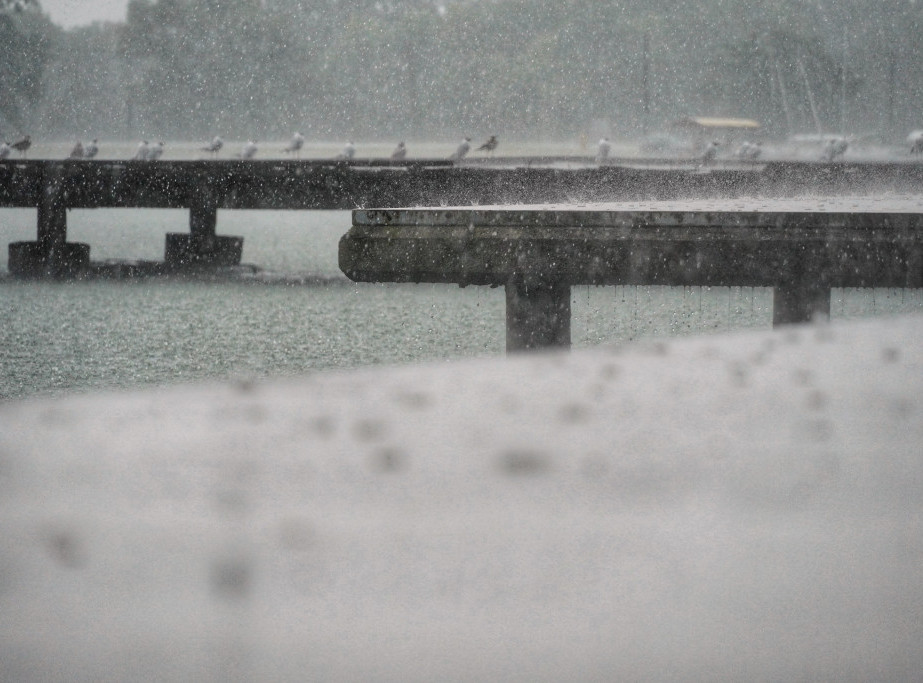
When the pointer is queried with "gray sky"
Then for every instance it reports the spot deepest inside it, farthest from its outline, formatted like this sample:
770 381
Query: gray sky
69 13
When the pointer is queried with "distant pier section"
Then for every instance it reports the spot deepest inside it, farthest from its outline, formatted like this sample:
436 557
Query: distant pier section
799 248
205 186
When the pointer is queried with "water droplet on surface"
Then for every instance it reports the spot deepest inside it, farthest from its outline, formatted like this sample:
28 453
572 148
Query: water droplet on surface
522 463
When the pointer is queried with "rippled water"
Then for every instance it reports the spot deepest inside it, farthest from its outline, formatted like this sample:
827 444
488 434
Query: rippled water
66 337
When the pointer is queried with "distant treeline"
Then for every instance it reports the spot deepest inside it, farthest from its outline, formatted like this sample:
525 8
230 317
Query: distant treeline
415 69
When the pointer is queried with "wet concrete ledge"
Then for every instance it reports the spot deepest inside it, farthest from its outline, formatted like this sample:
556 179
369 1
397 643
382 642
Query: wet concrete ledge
204 187
801 248
731 507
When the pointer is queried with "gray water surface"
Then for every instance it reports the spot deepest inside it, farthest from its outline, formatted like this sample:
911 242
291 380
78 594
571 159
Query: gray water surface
78 336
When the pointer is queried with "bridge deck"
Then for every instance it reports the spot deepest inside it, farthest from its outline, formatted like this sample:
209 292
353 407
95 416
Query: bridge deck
205 186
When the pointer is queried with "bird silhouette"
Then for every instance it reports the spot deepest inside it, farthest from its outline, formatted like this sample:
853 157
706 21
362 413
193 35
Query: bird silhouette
22 145
835 148
155 152
249 150
349 151
400 152
294 147
142 151
749 150
710 153
91 149
603 148
5 150
214 146
490 145
915 140
77 152
462 149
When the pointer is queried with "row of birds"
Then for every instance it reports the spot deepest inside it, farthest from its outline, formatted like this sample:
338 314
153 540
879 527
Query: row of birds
834 148
152 152
249 150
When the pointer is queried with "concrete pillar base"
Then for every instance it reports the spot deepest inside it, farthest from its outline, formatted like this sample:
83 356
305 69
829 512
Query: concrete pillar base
186 252
537 316
800 304
35 260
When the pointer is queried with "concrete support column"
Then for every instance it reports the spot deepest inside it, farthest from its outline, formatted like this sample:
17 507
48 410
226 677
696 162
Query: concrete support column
50 255
202 248
203 220
52 214
537 315
800 303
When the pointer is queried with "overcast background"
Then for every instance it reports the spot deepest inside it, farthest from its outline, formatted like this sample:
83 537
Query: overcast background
70 13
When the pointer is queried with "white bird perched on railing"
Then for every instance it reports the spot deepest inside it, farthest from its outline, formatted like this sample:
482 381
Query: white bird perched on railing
349 151
710 152
463 148
249 150
142 151
91 149
294 147
22 145
155 152
490 145
214 146
749 150
5 150
835 148
400 152
603 148
77 152
915 140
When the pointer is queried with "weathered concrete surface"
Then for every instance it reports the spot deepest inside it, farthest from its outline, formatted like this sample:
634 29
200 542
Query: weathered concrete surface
741 507
204 186
836 242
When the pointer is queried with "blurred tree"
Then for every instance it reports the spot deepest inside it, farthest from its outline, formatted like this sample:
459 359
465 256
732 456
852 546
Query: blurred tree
427 68
25 36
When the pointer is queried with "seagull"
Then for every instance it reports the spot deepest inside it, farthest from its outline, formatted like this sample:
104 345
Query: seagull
835 148
143 149
249 150
349 151
91 149
214 146
461 150
915 140
602 149
22 145
750 150
490 145
5 150
155 152
400 152
296 144
710 152
77 152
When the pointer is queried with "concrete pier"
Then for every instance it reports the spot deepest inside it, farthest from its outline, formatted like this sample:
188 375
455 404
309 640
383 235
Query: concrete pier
800 248
204 186
537 314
